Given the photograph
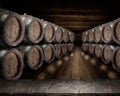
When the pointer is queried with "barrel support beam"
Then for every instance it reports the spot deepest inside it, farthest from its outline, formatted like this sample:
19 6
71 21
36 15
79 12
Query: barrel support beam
59 86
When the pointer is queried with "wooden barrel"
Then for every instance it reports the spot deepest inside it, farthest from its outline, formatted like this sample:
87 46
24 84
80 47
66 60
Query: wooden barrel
64 49
90 35
107 33
49 32
91 48
84 36
58 51
12 29
116 59
116 28
98 50
71 36
58 34
49 53
65 35
33 29
107 53
85 47
11 64
71 47
97 34
33 56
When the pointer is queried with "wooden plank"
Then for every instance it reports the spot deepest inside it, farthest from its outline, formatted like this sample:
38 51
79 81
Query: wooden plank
78 30
71 11
59 86
78 27
80 9
78 23
57 18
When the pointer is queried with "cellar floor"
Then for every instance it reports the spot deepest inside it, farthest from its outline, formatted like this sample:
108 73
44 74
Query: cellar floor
77 66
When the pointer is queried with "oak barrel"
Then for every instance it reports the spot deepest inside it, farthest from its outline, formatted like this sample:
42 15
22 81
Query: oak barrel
71 36
107 32
11 64
33 56
91 35
58 34
97 34
33 29
116 59
49 31
107 52
49 53
58 51
116 33
65 35
98 50
12 29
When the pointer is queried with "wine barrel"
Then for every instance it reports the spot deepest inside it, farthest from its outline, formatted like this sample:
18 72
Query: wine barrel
12 29
97 34
107 52
91 35
33 29
33 56
91 48
49 32
58 51
116 28
65 49
107 33
71 36
49 54
116 59
85 47
84 36
98 50
58 34
71 47
65 35
11 64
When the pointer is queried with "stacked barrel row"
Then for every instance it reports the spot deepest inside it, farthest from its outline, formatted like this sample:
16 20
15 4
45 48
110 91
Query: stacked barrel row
103 42
28 42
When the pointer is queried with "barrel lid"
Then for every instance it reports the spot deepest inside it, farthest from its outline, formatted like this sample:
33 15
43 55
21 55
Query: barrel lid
98 50
49 33
117 31
72 36
107 54
35 31
58 51
12 64
90 35
107 33
49 53
34 57
59 35
115 59
97 35
65 35
64 49
13 30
